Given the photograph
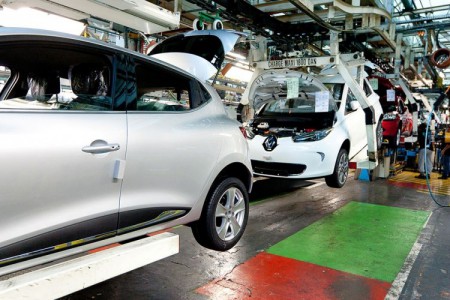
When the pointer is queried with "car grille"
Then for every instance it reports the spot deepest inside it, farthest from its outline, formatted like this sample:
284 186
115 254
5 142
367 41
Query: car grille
278 169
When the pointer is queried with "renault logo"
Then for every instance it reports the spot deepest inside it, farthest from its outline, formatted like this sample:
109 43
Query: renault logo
270 142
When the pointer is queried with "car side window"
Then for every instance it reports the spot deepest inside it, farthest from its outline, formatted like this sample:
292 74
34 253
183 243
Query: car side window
336 89
161 89
350 99
5 74
367 88
70 80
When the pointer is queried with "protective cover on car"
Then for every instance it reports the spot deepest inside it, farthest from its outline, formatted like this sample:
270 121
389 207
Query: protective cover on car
41 86
381 88
286 84
200 52
88 80
36 88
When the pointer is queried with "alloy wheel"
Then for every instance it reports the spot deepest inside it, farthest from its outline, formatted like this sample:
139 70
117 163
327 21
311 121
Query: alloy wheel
230 214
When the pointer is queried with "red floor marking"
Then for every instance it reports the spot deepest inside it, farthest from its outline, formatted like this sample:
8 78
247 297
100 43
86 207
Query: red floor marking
117 244
158 232
103 248
268 276
411 185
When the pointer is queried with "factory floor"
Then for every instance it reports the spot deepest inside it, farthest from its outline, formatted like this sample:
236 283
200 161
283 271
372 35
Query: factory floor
378 239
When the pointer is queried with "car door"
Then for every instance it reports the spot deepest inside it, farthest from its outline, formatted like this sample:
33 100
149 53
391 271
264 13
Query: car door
61 147
174 139
354 123
174 128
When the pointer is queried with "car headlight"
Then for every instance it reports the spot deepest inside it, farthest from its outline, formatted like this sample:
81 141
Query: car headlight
311 136
249 132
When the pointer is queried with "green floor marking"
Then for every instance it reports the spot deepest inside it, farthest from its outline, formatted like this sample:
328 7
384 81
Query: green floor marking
360 238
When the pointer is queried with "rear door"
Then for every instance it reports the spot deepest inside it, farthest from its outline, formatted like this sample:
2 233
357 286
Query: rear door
61 142
174 140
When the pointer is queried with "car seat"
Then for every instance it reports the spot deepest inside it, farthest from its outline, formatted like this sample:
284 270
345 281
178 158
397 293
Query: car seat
88 80
89 83
41 87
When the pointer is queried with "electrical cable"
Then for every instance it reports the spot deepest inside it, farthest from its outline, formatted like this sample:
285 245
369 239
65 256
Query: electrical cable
427 176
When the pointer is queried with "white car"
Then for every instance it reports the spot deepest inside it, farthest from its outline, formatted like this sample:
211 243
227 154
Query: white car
305 126
88 154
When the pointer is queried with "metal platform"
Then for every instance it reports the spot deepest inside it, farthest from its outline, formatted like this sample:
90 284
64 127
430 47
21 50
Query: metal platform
66 277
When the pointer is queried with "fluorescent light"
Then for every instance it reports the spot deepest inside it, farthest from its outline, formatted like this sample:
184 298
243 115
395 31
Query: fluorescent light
32 18
280 14
236 55
239 74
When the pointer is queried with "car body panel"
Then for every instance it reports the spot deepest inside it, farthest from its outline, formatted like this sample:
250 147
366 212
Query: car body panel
396 113
191 63
47 181
318 157
199 47
56 193
151 181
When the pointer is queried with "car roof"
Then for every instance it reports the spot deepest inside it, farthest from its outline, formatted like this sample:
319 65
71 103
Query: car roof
16 33
28 34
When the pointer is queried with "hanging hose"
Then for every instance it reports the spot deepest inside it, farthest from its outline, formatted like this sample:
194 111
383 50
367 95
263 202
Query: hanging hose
427 176
440 58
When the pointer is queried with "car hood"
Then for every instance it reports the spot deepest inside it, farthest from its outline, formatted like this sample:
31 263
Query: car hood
278 84
200 52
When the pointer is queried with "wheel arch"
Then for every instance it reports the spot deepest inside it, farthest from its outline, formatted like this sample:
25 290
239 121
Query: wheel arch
346 145
237 170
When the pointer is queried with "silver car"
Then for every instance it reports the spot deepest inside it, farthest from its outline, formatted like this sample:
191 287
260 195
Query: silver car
98 141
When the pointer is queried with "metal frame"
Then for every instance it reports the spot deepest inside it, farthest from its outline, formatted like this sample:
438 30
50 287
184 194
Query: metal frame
72 275
343 62
137 14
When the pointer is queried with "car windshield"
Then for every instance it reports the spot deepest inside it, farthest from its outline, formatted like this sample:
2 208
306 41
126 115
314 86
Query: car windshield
307 102
290 92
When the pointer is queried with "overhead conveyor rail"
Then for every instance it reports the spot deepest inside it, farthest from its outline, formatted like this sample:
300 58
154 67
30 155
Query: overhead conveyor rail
140 15
69 276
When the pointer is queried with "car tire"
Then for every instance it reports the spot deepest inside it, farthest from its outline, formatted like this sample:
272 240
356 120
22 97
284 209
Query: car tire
379 135
224 216
198 25
340 173
395 142
441 58
217 25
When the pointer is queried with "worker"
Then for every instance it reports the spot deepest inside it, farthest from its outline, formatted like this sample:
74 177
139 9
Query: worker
426 151
445 157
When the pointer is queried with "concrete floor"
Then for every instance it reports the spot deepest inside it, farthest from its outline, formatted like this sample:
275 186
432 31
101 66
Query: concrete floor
278 210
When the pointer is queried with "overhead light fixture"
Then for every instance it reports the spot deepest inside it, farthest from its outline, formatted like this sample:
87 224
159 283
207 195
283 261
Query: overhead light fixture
33 18
236 55
239 74
280 14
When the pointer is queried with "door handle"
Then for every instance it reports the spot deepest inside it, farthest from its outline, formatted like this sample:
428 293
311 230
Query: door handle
98 149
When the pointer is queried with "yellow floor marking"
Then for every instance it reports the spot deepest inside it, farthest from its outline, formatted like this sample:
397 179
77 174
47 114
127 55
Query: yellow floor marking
438 186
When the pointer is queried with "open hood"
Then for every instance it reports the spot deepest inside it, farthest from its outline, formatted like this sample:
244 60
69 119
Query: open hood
200 52
284 84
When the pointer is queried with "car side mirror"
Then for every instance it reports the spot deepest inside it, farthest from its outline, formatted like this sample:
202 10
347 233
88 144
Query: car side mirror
354 105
